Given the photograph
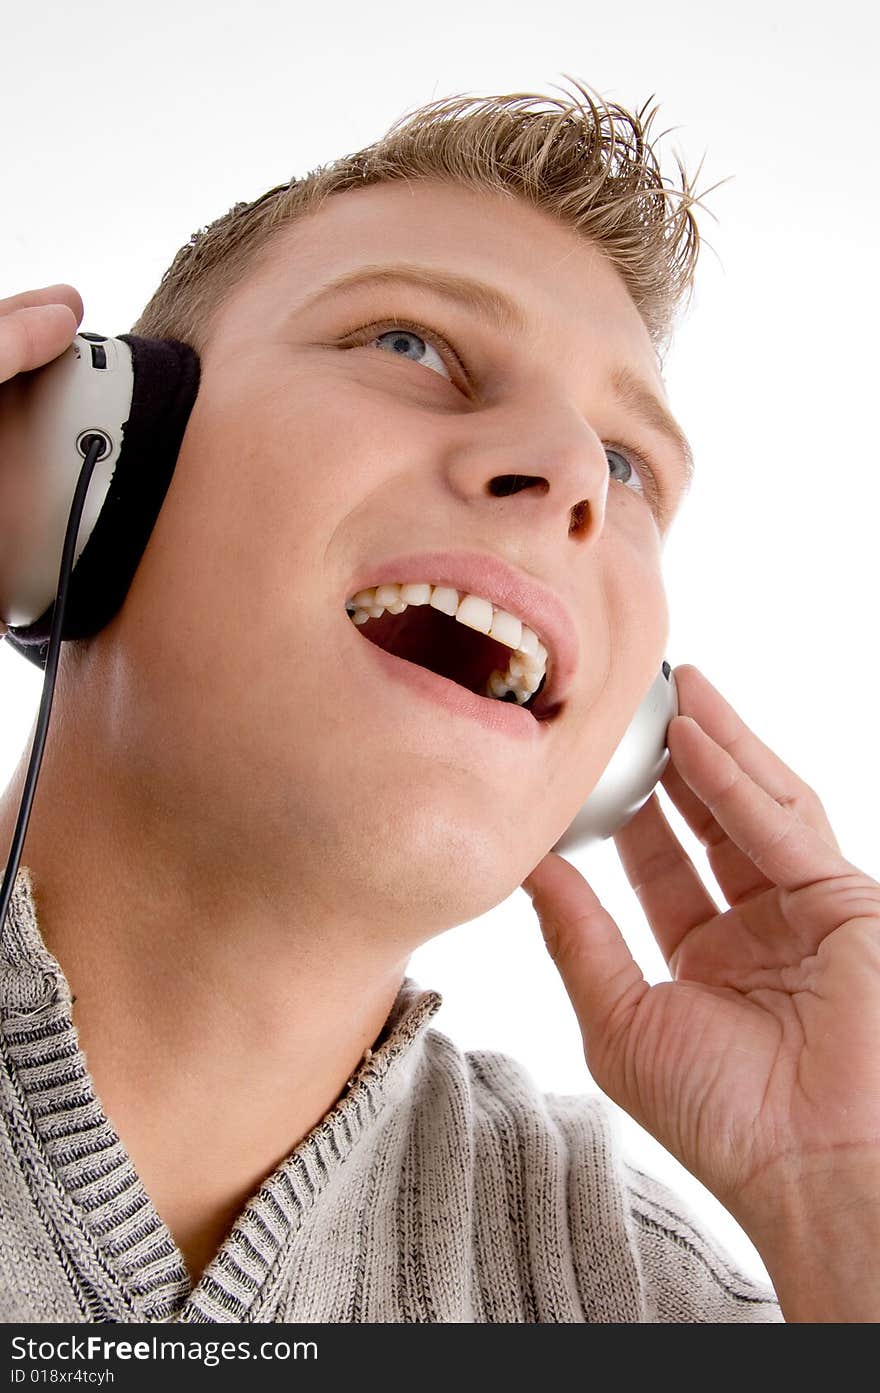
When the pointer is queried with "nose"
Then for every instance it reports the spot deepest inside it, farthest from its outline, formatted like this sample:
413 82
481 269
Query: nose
543 450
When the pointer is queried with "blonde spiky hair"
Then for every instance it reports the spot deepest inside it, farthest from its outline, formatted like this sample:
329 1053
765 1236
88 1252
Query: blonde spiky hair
588 162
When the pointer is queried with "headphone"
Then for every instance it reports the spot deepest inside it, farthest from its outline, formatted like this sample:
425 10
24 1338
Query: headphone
121 405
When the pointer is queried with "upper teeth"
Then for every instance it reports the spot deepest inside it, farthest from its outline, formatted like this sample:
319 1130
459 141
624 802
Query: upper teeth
528 664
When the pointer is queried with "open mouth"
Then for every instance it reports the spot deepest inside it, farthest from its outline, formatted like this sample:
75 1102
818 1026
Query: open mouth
423 634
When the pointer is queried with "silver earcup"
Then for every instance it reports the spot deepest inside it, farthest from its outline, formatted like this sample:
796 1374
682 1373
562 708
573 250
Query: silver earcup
46 417
633 771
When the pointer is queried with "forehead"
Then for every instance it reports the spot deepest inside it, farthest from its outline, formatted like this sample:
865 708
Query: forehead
562 283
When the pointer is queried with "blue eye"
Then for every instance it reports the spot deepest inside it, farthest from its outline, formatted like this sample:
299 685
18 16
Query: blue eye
624 461
630 472
411 345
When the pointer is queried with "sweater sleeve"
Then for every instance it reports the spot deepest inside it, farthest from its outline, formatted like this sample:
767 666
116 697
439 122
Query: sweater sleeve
680 1272
687 1274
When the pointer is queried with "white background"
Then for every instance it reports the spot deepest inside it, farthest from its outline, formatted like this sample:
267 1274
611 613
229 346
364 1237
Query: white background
125 128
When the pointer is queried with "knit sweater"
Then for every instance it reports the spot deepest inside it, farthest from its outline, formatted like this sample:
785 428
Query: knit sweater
443 1186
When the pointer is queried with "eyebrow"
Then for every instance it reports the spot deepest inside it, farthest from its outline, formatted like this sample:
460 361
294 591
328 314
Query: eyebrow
505 315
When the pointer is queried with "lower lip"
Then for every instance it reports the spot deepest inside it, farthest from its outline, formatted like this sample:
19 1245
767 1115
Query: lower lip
503 717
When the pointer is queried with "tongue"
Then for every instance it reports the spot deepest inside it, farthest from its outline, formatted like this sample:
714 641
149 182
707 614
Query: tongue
422 635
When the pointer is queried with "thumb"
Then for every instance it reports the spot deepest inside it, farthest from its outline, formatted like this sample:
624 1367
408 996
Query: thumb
602 978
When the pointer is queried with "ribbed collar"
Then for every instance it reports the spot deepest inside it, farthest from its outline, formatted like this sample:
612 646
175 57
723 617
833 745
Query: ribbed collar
126 1265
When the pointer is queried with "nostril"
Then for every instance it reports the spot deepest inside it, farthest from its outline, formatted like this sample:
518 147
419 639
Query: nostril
507 484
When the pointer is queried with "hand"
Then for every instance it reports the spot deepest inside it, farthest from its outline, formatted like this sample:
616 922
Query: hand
757 1066
35 327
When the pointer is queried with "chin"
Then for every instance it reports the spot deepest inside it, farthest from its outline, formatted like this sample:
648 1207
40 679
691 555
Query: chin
440 873
412 847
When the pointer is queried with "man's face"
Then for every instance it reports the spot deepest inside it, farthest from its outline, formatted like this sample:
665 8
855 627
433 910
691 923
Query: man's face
321 446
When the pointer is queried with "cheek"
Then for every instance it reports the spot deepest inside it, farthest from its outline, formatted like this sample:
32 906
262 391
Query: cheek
627 639
637 627
261 519
267 471
305 449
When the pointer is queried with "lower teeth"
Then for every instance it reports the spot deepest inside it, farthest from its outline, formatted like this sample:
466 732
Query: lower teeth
505 693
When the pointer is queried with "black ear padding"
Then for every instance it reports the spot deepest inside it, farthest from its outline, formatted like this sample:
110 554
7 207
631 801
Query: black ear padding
166 381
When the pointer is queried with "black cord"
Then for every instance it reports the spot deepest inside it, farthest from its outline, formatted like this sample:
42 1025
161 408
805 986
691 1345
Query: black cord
97 446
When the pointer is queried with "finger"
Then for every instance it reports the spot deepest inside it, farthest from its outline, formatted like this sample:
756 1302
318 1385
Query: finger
33 336
666 882
61 294
700 699
737 876
598 971
786 850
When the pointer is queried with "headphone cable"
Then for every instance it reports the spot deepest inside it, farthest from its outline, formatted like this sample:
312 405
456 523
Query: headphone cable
94 446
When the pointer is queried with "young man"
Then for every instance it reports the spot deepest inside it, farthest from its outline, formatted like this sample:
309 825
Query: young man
435 363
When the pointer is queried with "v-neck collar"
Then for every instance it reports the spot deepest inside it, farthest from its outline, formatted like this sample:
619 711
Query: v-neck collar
126 1264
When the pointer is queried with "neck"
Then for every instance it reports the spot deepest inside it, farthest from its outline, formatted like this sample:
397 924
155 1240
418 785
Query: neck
221 1009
